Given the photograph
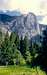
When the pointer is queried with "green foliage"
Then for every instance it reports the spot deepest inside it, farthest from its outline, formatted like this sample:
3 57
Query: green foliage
43 51
28 57
0 37
16 51
24 48
9 50
19 58
12 37
17 41
35 49
20 70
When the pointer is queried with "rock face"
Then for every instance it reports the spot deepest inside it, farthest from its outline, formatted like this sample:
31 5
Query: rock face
23 24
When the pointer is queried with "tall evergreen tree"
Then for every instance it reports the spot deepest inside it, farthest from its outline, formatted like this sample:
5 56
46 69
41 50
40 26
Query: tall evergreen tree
27 54
44 48
4 49
0 37
17 41
22 46
42 52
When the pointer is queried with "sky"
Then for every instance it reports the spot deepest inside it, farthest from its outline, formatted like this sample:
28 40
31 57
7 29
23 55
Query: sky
39 7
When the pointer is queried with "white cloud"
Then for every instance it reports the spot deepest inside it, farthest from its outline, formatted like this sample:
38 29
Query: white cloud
4 4
39 7
36 6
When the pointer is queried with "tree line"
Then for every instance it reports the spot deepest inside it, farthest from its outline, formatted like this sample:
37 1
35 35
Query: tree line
19 51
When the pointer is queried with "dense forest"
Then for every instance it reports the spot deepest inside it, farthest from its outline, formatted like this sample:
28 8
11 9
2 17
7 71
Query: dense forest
22 51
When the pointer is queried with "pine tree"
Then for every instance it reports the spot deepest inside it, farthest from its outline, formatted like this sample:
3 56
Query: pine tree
42 52
44 48
17 41
0 37
27 54
22 46
4 49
